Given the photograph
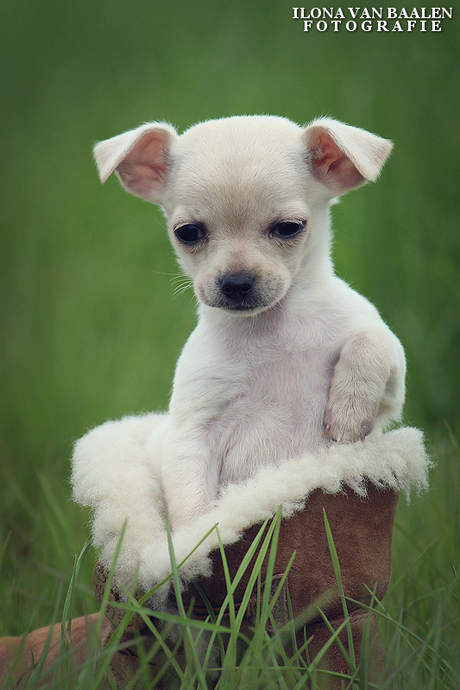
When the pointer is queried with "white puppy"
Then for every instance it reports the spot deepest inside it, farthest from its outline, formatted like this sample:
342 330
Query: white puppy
286 357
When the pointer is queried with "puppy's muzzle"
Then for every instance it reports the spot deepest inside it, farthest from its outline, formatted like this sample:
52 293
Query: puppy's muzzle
238 291
242 291
237 287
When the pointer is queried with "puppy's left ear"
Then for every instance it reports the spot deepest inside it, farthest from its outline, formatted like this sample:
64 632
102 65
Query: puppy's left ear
140 158
344 157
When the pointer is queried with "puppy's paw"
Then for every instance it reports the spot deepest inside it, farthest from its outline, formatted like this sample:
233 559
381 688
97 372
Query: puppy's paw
348 421
358 386
181 516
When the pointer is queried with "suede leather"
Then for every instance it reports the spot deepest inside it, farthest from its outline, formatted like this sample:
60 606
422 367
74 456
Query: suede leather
48 638
362 530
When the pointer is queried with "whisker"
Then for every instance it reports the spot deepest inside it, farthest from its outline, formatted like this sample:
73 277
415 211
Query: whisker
181 284
163 273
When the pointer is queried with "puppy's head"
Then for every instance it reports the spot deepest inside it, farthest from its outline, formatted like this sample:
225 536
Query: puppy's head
246 197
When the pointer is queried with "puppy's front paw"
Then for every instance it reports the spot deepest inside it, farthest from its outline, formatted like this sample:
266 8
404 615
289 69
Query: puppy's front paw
348 421
182 515
358 386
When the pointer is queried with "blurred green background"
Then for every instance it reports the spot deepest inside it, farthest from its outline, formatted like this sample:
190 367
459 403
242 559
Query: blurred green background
90 327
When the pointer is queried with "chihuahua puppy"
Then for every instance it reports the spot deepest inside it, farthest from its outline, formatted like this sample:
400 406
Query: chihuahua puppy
286 357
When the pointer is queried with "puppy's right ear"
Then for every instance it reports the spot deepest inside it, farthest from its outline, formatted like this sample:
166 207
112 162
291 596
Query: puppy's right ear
140 158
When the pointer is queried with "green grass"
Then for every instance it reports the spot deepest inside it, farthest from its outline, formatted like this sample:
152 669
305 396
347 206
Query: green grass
89 327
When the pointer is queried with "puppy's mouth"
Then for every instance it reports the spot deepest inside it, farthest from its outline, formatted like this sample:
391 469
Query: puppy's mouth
248 308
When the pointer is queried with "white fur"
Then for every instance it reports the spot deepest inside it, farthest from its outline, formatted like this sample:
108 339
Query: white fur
280 368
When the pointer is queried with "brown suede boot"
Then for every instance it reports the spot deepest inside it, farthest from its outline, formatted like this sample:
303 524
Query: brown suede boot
362 531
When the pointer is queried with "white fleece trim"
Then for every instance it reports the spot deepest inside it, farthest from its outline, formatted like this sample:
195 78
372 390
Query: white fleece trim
396 460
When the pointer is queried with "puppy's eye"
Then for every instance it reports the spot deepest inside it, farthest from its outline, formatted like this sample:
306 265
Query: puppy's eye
190 233
287 229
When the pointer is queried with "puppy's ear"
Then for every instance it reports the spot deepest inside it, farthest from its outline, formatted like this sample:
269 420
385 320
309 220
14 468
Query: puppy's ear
140 159
344 157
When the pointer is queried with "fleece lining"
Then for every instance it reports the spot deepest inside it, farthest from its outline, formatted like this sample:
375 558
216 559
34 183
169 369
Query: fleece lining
396 460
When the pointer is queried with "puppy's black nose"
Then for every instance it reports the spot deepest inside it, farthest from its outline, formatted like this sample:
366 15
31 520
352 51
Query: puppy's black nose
237 286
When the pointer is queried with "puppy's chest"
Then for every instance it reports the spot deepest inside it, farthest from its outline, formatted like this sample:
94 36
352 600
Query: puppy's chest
286 380
276 413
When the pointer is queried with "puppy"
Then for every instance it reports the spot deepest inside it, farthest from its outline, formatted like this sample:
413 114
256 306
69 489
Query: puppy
286 357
